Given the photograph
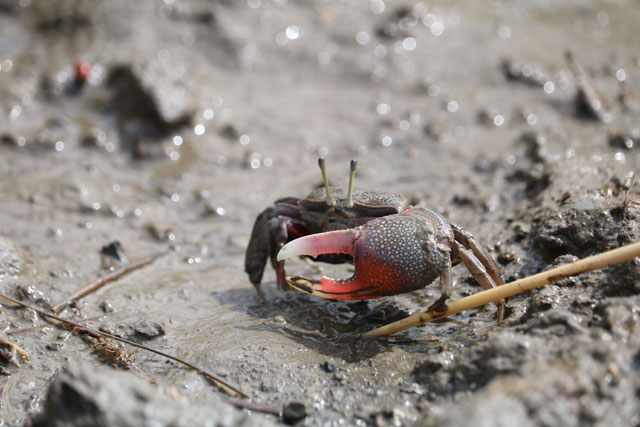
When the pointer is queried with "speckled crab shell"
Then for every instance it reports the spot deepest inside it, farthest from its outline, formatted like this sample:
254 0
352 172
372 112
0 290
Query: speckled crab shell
368 202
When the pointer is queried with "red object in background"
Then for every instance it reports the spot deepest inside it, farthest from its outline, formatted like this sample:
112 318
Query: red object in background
83 69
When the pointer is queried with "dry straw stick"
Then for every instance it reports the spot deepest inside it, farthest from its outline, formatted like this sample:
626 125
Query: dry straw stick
615 256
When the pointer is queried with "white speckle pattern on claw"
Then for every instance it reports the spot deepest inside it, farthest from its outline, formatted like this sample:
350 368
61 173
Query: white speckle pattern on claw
404 249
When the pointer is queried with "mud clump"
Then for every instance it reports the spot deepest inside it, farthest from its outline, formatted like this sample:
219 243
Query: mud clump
577 381
490 411
142 330
147 105
585 225
621 316
82 395
503 353
581 226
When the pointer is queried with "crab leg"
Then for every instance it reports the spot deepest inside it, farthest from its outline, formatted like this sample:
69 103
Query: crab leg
272 229
481 255
282 229
446 286
479 263
475 267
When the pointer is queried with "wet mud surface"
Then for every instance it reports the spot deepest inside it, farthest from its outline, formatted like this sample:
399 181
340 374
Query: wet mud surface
195 116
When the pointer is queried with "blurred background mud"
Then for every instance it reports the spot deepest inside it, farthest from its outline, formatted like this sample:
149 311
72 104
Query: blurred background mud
171 124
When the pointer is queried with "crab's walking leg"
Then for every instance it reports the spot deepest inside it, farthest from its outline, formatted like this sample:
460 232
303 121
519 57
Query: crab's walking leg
446 286
480 252
283 229
479 263
271 230
258 250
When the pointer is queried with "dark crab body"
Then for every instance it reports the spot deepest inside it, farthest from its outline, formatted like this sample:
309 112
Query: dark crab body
291 218
395 247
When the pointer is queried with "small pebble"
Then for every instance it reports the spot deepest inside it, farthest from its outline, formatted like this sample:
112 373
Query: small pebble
328 367
55 346
293 412
149 329
107 307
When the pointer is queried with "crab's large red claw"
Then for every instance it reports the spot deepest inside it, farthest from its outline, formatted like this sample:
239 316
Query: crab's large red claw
389 255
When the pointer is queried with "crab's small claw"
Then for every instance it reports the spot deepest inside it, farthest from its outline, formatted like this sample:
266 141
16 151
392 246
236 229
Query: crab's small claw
332 242
389 255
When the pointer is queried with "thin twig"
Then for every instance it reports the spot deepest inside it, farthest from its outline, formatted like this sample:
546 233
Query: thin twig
47 316
615 256
106 279
587 91
44 325
253 406
626 196
4 398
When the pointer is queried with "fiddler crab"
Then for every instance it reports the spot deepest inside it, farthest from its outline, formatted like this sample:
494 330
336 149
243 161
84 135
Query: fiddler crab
395 247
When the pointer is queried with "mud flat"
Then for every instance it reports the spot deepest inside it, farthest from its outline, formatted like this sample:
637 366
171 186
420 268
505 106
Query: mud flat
517 121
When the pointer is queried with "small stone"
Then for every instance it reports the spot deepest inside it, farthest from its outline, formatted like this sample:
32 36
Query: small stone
545 299
424 372
328 367
622 140
557 321
94 137
8 139
148 330
293 412
107 307
112 253
55 346
34 295
230 132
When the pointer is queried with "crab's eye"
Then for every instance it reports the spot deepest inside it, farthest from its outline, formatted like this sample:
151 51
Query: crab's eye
332 220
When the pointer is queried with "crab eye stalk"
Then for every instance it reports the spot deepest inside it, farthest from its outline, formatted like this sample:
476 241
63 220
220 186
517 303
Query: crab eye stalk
352 174
323 168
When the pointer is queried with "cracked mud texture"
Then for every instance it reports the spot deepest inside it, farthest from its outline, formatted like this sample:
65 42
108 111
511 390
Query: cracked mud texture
197 115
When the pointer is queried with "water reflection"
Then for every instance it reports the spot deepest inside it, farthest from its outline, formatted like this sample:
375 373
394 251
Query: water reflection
199 129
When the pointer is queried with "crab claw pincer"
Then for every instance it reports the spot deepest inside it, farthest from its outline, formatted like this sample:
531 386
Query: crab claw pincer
392 255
